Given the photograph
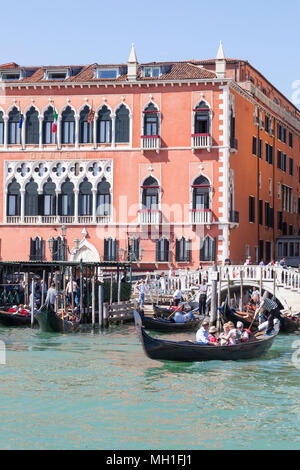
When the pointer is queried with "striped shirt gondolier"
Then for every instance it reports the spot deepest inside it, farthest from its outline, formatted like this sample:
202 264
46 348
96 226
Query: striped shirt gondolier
269 305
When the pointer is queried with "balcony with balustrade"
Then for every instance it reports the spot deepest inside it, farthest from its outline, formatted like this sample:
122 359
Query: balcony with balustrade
201 216
149 217
201 141
150 142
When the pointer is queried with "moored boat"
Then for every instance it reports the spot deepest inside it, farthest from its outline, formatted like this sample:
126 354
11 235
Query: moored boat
164 326
193 352
15 319
288 325
49 321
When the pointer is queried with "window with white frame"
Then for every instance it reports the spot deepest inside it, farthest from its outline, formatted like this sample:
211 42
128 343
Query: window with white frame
151 72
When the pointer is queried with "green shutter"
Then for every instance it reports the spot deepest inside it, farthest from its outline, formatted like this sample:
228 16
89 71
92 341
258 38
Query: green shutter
106 241
177 250
202 249
188 250
114 250
213 249
157 250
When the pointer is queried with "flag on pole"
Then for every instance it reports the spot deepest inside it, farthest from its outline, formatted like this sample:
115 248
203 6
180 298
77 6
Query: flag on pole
55 116
21 121
91 116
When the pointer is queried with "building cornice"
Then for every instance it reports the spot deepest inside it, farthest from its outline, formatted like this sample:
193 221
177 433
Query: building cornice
115 84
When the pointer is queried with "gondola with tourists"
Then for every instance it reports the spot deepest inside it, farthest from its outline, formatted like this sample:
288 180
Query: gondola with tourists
15 318
166 325
187 351
50 321
166 312
288 325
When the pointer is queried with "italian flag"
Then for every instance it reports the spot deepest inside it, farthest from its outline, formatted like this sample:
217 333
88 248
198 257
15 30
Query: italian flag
55 116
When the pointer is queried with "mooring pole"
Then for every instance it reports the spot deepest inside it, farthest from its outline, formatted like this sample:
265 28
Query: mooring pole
100 302
93 301
105 315
241 290
81 290
26 289
260 282
214 286
111 289
219 299
119 289
32 303
228 289
43 287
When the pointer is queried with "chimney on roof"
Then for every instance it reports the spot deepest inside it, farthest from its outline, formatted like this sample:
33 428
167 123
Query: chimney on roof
132 65
221 62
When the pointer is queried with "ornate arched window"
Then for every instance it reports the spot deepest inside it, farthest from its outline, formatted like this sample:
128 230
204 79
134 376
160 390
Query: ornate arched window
103 198
183 250
163 250
151 120
85 198
13 198
36 249
32 126
207 249
104 125
31 199
133 249
122 124
110 249
85 127
66 199
150 194
1 128
48 199
49 137
58 250
14 131
201 189
68 126
202 119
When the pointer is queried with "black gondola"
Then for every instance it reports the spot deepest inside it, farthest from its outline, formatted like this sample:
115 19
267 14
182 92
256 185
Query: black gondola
193 352
287 324
49 321
167 326
166 312
15 319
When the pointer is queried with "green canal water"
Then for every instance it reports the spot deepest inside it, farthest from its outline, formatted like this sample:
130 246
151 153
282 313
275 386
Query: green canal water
99 391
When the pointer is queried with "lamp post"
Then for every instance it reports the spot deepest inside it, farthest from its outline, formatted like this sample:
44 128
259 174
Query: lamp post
65 248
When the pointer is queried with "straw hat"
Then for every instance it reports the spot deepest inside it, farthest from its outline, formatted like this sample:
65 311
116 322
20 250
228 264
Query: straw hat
212 329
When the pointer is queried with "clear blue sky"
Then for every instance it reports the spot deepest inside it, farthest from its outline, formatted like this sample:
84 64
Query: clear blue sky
37 32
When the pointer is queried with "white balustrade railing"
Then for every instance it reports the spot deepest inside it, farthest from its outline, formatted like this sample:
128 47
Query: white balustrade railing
66 219
31 219
48 219
201 216
103 219
85 219
187 281
150 142
149 217
13 219
200 141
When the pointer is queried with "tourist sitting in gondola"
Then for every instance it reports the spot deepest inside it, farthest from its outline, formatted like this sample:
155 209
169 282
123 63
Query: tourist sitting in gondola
212 334
229 335
243 334
202 336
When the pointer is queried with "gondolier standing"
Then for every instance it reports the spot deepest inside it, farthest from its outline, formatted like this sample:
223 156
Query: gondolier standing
269 307
202 297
